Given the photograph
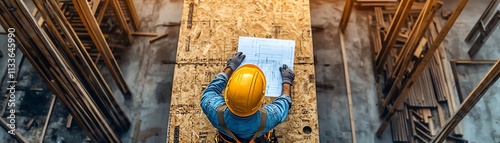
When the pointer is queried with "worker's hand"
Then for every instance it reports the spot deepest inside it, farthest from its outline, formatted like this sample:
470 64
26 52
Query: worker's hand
235 60
287 74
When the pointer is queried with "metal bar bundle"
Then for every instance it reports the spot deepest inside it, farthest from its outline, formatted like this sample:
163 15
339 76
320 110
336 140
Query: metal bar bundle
61 60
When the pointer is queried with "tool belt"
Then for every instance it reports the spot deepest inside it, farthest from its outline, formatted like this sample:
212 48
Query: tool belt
221 138
268 137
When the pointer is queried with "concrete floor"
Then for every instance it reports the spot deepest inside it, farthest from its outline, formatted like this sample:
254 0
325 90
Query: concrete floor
150 80
482 124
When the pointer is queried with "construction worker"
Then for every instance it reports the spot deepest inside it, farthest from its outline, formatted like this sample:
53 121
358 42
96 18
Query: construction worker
235 106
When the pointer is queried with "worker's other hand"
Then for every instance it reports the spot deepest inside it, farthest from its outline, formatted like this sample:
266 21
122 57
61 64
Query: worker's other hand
287 74
235 60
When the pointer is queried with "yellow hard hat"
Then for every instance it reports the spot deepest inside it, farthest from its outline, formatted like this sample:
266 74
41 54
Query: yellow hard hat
244 93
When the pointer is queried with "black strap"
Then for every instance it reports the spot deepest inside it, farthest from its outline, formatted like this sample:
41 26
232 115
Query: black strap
262 125
222 123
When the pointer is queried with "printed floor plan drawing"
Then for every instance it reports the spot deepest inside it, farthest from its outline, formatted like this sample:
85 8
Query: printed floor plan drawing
269 55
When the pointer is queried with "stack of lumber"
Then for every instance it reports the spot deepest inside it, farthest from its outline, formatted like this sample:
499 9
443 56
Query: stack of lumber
87 18
209 35
117 20
100 31
412 125
55 51
413 72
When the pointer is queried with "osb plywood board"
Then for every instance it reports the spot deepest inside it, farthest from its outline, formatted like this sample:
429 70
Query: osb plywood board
188 123
210 28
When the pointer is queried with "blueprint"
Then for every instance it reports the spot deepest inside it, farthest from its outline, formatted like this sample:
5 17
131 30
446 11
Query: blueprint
269 55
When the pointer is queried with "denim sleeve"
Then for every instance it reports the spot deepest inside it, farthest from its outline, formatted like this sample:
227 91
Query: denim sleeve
212 98
277 111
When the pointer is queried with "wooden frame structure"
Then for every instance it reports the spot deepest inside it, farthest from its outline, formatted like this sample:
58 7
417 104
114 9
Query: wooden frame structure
454 64
348 87
489 79
484 27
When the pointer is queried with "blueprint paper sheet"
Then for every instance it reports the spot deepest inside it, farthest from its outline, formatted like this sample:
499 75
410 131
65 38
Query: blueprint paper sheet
269 55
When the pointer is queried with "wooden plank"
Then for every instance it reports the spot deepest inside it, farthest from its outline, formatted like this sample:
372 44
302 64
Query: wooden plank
473 61
47 119
471 100
101 13
346 14
208 36
347 86
188 123
158 37
30 122
144 34
474 31
70 120
431 127
457 83
484 33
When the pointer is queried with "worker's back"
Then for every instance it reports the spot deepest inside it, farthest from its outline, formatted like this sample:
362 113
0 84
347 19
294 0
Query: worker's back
245 127
239 113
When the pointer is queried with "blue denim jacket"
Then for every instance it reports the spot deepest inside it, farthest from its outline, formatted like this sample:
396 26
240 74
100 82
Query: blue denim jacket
242 127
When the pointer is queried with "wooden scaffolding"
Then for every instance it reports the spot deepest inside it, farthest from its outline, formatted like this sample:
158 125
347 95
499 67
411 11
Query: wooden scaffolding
64 40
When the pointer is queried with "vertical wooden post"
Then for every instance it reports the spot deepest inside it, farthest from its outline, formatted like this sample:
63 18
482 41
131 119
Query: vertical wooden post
469 103
346 15
348 87
47 119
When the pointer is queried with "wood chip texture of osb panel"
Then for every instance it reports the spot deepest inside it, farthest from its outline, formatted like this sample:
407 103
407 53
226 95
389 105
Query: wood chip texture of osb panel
209 35
210 28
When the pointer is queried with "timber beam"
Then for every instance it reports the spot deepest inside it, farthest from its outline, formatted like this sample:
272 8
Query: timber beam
346 15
